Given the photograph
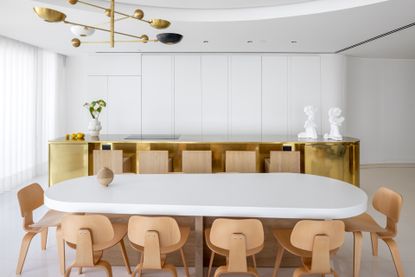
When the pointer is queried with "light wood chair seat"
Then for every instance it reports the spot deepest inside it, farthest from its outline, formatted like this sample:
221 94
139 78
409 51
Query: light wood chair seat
155 237
120 231
154 162
31 198
224 252
283 237
184 232
388 203
52 218
283 161
363 223
314 242
197 161
236 239
90 235
240 161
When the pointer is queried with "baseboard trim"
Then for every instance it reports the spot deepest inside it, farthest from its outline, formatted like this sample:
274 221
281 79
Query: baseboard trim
388 165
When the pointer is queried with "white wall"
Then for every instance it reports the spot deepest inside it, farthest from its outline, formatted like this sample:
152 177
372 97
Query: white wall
202 94
235 94
381 108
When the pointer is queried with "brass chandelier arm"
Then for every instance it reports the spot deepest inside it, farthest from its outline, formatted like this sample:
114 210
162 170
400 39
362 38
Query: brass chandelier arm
112 26
119 41
101 29
116 12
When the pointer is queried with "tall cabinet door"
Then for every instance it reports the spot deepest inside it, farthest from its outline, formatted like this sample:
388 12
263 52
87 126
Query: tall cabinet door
187 95
97 89
304 90
157 94
274 95
214 94
245 98
124 105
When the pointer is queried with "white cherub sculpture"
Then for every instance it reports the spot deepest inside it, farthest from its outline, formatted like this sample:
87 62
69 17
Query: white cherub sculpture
335 123
309 125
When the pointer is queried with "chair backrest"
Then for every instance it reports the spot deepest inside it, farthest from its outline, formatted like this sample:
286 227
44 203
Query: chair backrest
320 237
88 233
240 161
389 203
238 236
155 234
197 161
153 162
285 161
30 198
112 159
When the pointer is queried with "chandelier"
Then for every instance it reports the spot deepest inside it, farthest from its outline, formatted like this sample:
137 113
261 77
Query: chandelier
83 30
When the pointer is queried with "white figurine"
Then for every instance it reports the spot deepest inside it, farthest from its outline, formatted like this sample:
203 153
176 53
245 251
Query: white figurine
335 122
309 125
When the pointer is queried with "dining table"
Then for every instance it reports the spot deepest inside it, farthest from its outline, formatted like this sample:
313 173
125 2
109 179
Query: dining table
244 195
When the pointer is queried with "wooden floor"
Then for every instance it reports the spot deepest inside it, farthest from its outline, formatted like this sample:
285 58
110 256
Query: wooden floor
44 264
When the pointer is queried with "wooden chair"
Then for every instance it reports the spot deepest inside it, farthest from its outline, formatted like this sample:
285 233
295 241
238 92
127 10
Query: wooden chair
283 161
197 161
154 162
236 239
30 198
112 159
90 235
240 161
154 238
389 203
314 242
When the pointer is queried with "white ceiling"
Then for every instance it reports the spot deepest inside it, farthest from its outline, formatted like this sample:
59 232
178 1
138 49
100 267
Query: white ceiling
317 30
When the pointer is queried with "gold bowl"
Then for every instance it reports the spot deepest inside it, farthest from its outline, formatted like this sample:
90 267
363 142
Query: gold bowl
49 15
159 23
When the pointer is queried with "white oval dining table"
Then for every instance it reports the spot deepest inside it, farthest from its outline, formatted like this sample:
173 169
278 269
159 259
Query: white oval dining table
259 195
272 195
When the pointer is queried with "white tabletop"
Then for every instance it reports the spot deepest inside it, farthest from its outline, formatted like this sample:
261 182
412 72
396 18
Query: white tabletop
262 195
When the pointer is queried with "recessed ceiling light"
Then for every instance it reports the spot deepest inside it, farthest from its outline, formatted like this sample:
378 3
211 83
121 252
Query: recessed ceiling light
249 41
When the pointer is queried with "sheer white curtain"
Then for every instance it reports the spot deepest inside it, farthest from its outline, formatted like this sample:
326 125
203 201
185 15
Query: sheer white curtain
30 81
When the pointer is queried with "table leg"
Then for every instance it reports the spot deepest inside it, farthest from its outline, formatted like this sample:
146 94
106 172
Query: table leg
357 253
199 246
61 249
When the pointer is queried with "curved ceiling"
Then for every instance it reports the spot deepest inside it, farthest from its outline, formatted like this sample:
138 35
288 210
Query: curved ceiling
212 4
227 10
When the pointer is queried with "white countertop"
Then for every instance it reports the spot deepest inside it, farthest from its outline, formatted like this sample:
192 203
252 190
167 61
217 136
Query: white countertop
262 195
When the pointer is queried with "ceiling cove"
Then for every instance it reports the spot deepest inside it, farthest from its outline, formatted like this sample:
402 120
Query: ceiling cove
230 10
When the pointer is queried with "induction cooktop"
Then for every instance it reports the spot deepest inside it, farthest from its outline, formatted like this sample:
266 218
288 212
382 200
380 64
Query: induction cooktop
153 137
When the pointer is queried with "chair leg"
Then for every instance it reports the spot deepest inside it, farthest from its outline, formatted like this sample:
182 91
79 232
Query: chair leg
186 268
212 256
23 251
299 271
106 266
61 249
68 271
170 268
357 253
374 238
254 261
280 253
393 247
125 256
44 238
80 270
140 266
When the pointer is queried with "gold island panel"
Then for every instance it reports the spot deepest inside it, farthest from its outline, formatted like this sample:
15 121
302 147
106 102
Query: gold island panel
336 159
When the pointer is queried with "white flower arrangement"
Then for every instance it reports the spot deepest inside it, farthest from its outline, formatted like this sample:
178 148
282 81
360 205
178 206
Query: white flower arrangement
95 107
